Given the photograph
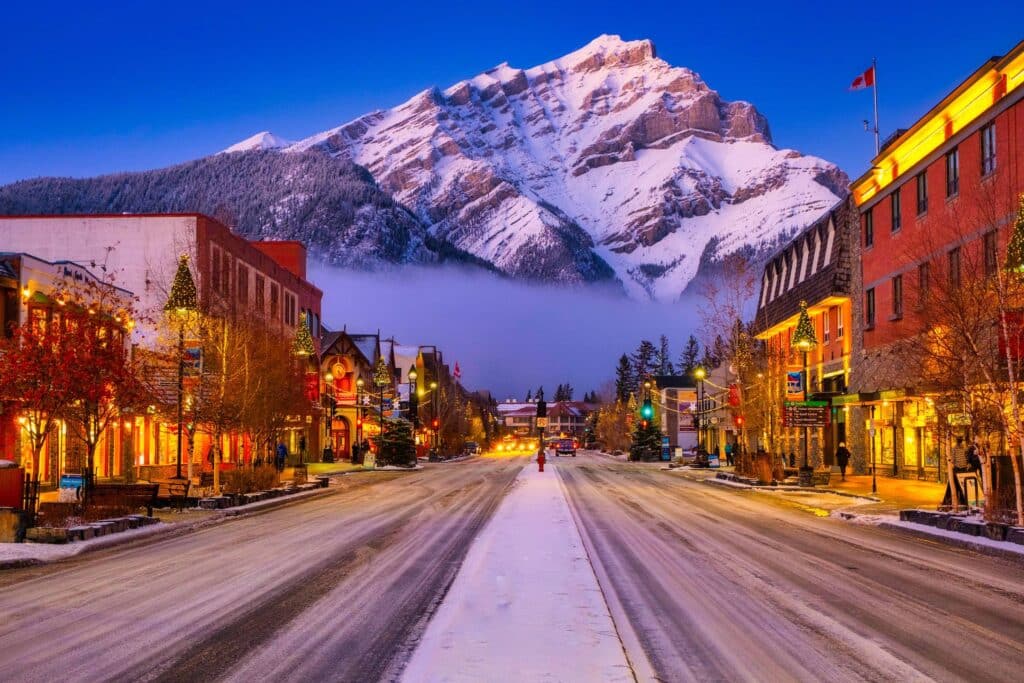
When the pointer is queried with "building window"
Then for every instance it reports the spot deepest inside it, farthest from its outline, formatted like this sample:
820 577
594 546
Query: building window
988 149
990 252
275 297
922 192
260 293
897 297
923 281
869 308
825 326
215 269
839 322
225 265
869 228
953 173
895 205
242 284
954 267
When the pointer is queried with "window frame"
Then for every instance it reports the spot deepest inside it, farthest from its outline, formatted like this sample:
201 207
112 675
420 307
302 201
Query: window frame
897 297
989 158
895 211
922 192
869 228
869 308
953 273
825 332
990 250
953 172
924 277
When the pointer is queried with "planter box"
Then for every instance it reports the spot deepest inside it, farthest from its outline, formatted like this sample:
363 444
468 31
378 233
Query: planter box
997 532
214 503
81 533
971 528
115 525
1015 534
46 534
822 478
322 482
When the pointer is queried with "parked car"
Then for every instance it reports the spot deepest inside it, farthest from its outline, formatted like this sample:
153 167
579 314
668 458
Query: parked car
471 448
566 447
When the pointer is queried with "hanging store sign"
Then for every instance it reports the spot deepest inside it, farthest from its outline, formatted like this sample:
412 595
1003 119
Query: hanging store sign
805 414
192 361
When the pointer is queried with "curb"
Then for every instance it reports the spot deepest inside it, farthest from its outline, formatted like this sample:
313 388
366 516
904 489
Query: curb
165 530
966 543
799 489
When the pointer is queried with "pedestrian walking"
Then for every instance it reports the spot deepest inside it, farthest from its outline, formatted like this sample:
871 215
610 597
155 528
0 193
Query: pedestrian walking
282 455
728 453
842 458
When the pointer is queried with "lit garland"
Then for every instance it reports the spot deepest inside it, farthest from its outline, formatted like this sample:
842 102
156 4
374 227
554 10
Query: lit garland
183 291
303 343
803 336
381 374
1015 250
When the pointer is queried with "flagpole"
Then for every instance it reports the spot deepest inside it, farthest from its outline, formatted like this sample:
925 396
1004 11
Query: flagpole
874 89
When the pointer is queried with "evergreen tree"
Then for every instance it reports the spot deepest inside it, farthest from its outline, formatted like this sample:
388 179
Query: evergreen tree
397 445
529 395
560 393
644 362
540 393
688 358
623 379
664 360
646 443
567 392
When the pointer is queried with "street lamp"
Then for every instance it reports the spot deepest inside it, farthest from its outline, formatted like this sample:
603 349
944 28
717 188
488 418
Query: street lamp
435 421
413 402
359 413
181 301
329 432
700 373
804 340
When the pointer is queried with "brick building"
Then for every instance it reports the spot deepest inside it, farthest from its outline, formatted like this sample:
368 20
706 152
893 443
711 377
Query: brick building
936 203
816 267
234 277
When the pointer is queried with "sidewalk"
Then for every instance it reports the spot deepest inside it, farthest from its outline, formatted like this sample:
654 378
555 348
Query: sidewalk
525 606
896 494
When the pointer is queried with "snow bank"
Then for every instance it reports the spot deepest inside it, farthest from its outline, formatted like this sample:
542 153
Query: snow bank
525 604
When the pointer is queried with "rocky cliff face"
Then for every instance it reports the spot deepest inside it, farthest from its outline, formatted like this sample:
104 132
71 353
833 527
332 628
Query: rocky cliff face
606 163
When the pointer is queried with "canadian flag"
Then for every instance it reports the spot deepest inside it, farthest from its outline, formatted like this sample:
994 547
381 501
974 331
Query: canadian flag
865 80
457 374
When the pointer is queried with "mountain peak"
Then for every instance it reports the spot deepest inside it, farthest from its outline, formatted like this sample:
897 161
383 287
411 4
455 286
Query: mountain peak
612 50
262 140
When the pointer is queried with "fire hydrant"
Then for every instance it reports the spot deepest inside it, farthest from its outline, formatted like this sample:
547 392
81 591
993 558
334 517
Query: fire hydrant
540 461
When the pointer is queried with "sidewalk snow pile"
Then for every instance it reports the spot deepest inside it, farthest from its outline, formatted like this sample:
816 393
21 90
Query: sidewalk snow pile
525 605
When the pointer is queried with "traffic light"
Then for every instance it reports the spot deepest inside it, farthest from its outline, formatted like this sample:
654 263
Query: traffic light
739 420
542 408
436 424
647 411
643 423
359 422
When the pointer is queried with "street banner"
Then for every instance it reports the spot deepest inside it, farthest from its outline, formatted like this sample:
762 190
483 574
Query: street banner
666 451
794 385
312 386
193 360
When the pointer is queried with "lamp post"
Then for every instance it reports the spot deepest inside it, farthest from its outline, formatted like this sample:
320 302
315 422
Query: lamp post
329 431
181 301
805 340
700 373
413 399
436 421
359 413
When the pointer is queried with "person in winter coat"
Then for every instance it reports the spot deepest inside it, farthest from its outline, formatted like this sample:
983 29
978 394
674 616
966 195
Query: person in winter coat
842 458
282 455
728 453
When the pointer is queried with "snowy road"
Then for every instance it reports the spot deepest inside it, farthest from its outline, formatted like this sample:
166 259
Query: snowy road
719 584
329 589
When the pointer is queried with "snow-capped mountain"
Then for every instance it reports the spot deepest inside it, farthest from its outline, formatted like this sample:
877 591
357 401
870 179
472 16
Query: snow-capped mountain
260 141
607 162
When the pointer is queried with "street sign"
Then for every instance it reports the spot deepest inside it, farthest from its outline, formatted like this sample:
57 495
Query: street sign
542 422
805 414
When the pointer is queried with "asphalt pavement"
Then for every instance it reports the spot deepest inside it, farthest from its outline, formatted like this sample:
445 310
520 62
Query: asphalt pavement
336 588
708 583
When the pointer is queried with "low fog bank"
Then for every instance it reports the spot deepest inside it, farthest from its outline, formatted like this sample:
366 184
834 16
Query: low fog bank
507 336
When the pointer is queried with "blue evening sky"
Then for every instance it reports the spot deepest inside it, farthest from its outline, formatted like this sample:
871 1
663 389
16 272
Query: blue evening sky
95 87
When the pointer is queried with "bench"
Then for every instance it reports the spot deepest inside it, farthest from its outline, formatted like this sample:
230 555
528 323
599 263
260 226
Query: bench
173 491
128 497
